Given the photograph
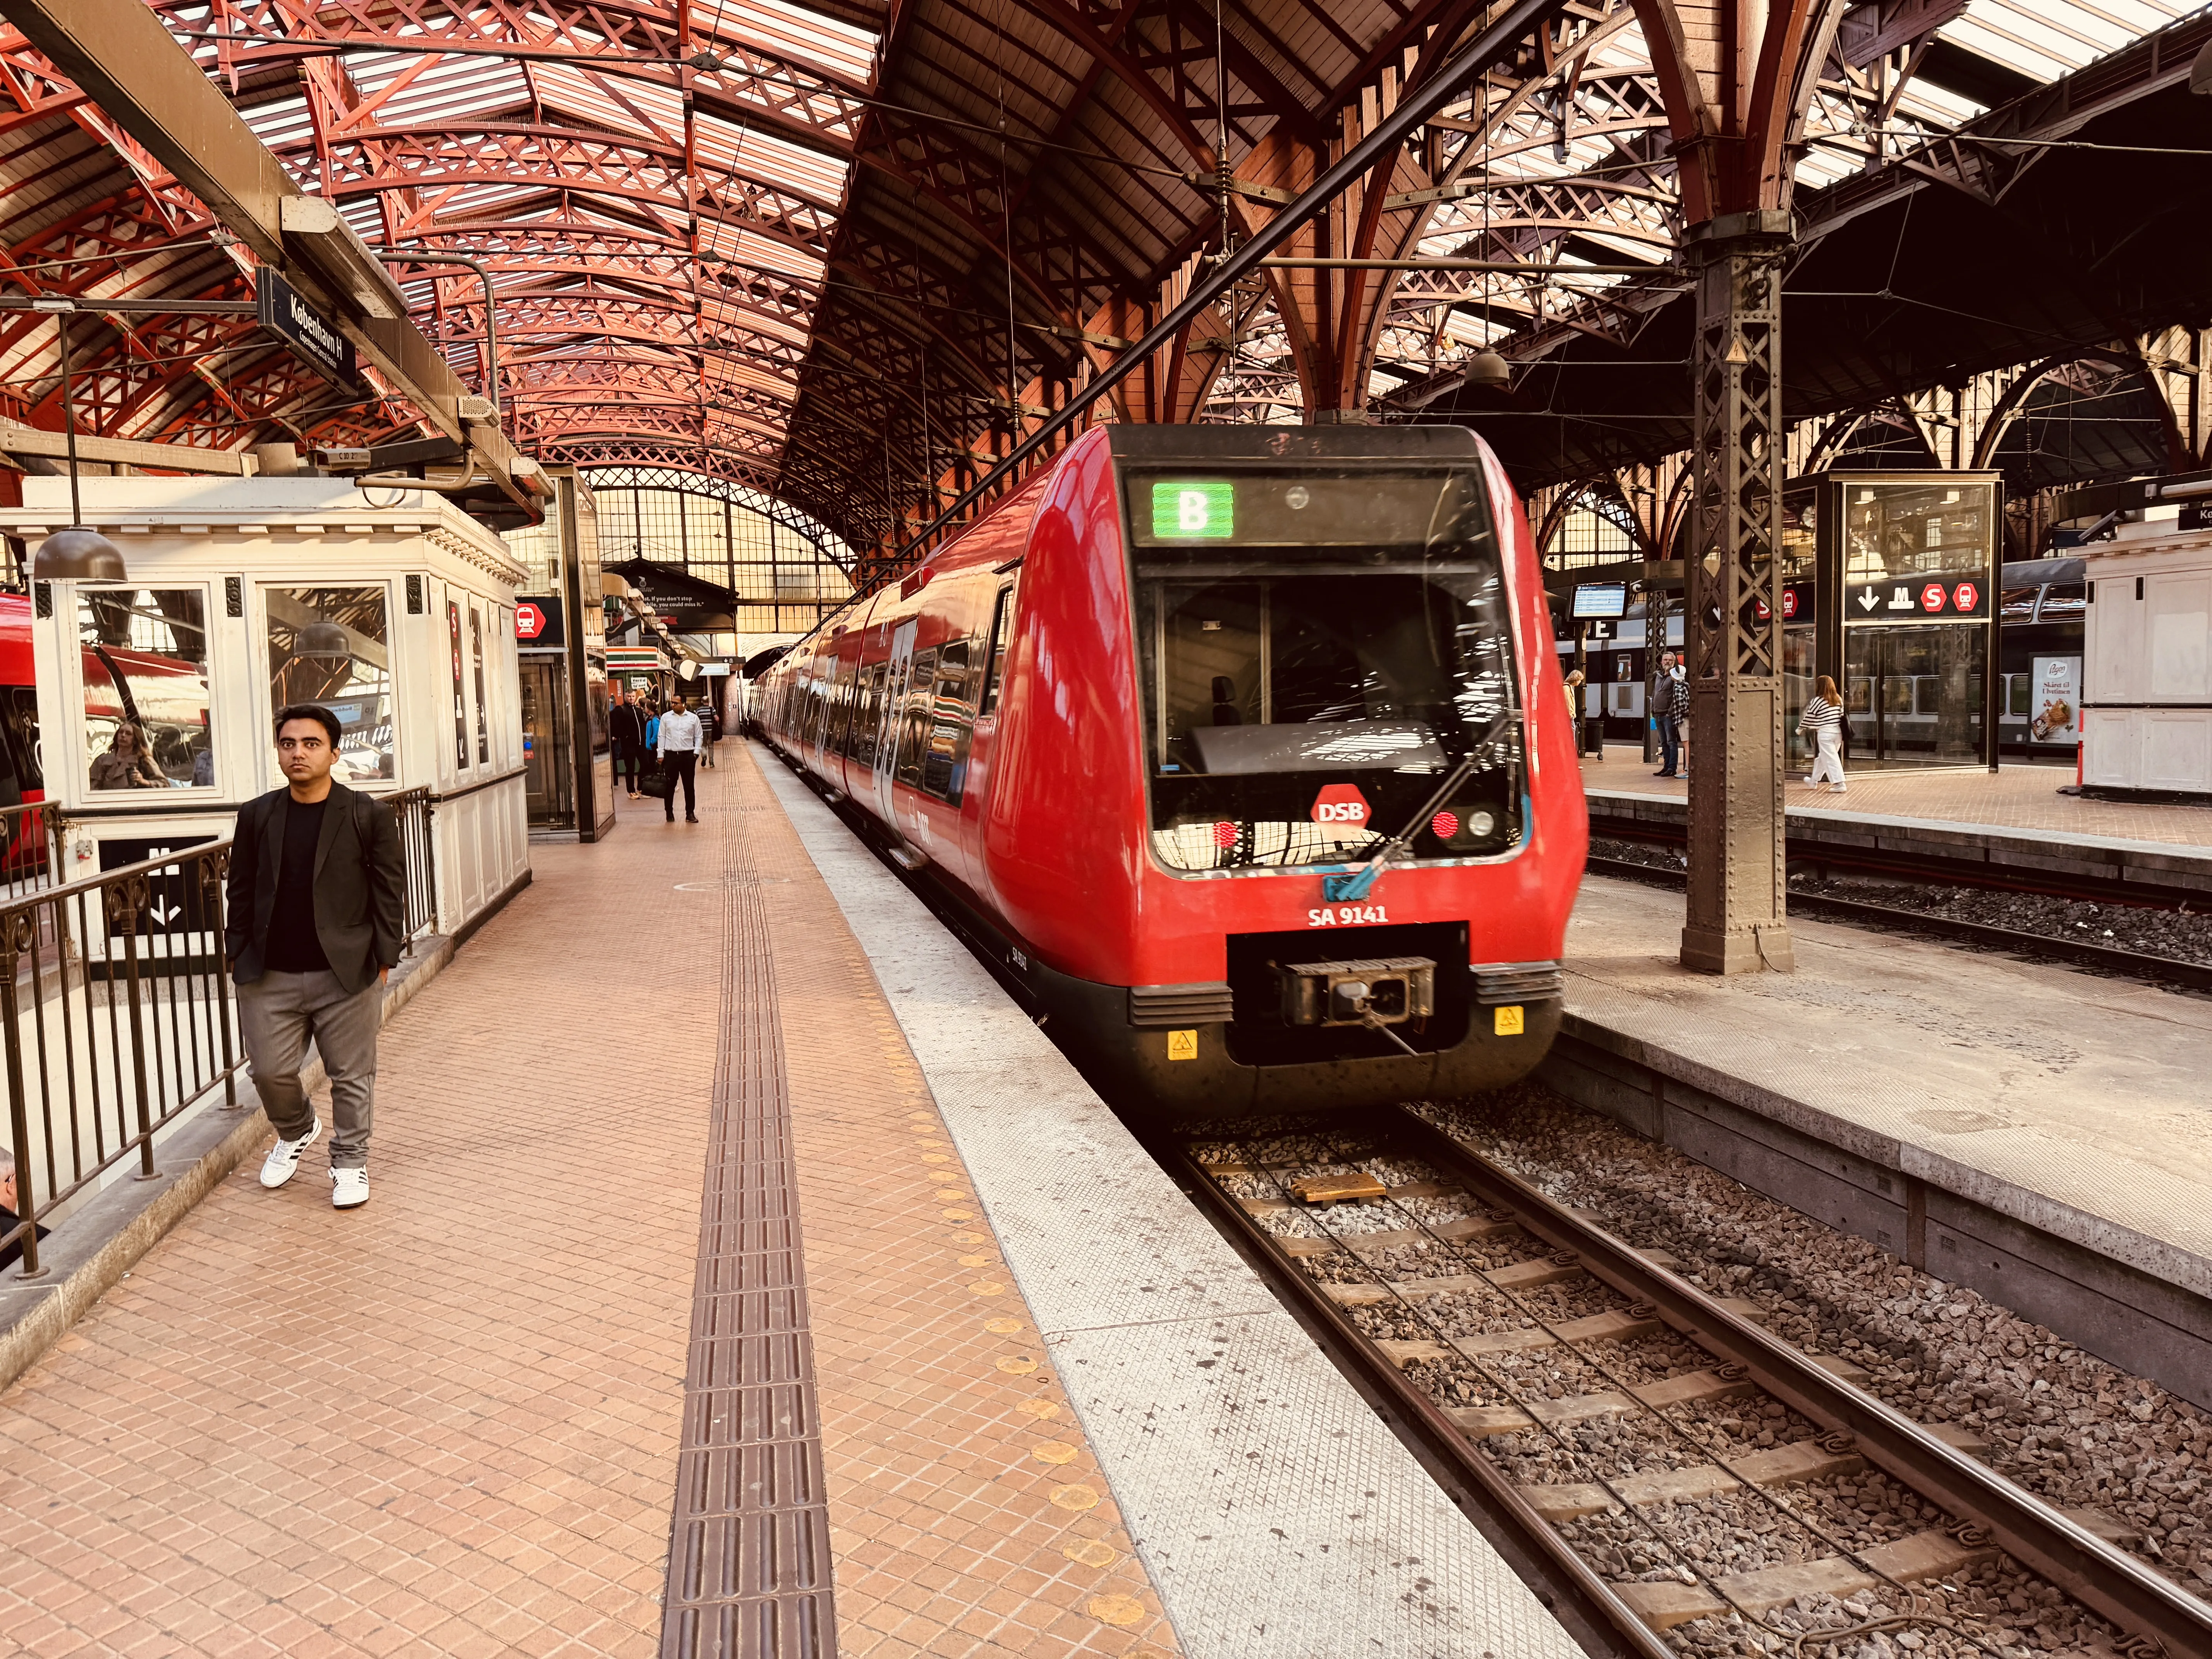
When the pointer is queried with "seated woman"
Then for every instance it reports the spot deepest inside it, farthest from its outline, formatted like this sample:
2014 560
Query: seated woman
126 765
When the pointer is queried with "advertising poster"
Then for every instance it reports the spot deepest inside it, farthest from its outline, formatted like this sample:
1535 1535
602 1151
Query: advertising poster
2054 709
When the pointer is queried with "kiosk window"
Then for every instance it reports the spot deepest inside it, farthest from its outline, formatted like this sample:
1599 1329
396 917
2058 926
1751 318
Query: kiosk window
333 646
460 700
145 688
483 715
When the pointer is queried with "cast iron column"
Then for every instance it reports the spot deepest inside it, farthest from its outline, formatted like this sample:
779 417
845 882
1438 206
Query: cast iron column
1736 922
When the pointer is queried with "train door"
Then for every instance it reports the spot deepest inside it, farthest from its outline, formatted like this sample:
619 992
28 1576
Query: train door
983 742
900 672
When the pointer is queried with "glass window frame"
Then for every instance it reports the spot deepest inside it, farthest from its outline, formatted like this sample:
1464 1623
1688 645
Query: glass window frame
265 689
78 722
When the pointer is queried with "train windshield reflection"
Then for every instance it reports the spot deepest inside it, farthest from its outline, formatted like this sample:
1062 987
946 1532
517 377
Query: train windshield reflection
1275 670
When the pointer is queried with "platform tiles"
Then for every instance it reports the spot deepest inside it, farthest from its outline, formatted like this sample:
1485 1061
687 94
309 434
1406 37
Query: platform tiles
1277 1516
1931 1085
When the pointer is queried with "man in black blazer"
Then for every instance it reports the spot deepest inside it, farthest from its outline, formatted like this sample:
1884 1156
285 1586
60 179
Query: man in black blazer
317 919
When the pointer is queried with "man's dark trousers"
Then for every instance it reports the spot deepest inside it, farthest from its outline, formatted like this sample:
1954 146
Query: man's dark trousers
1670 744
685 762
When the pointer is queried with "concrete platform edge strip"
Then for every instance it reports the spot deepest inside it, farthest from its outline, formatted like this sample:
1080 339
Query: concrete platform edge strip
2138 1302
1277 1516
2164 856
89 1254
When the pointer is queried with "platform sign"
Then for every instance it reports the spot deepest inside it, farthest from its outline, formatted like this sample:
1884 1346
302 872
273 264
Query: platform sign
1953 597
176 903
537 621
1194 509
312 337
1342 804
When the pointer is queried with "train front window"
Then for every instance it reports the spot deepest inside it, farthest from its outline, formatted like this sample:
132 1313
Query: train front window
1312 674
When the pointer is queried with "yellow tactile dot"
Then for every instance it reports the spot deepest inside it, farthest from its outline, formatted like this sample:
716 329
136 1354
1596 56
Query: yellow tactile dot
1017 1364
1055 1451
974 1260
936 1157
955 1198
923 1117
988 1287
968 1238
959 1215
1040 1408
1090 1553
1116 1609
1004 1326
1075 1498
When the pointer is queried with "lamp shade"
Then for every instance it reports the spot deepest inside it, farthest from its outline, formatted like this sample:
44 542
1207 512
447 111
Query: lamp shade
78 554
323 639
1488 372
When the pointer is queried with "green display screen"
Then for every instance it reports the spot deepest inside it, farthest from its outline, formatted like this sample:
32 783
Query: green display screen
1194 509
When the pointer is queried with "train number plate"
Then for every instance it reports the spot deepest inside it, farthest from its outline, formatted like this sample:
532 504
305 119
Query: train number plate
1346 915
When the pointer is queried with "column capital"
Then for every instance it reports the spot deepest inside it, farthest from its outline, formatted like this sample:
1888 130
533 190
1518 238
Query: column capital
1760 230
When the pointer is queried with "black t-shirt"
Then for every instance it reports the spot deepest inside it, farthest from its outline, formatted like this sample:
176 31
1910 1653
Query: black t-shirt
293 947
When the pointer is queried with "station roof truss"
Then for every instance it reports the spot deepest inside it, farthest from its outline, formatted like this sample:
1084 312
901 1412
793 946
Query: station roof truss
841 254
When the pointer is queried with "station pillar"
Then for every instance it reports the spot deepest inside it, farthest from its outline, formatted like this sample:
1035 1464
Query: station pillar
1736 920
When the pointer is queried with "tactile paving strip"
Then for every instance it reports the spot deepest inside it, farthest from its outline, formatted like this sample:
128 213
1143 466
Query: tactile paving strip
749 1567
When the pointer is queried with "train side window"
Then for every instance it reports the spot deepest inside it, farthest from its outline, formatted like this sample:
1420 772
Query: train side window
913 719
952 723
851 684
1002 628
20 711
870 722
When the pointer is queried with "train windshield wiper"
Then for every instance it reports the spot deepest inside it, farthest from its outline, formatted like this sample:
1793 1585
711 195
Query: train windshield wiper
1354 885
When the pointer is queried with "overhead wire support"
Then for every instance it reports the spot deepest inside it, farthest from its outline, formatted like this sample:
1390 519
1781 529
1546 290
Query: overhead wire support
1414 107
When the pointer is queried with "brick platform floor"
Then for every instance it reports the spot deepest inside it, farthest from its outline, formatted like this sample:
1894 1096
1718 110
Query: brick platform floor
2016 797
447 1424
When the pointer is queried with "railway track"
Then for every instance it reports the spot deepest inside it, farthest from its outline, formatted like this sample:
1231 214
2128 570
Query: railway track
1669 1475
2081 953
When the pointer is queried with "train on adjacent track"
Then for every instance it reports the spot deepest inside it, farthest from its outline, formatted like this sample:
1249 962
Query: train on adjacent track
1242 751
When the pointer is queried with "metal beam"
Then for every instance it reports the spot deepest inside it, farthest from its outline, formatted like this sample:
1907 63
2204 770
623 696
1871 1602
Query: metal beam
124 451
1383 139
126 61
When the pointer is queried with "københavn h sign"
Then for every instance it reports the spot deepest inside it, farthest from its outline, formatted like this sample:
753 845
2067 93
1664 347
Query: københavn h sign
313 338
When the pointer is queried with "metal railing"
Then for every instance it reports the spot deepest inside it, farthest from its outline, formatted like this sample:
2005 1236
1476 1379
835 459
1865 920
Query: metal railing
30 848
118 1019
415 808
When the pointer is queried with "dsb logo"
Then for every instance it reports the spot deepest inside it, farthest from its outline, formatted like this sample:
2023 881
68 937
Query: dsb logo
1341 803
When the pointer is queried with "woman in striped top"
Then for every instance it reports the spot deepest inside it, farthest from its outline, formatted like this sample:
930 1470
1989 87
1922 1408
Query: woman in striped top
1824 720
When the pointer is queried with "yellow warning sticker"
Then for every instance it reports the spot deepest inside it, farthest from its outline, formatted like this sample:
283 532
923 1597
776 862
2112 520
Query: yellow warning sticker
1507 1022
1182 1045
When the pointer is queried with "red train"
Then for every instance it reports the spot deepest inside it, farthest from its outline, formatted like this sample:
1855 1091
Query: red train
1242 749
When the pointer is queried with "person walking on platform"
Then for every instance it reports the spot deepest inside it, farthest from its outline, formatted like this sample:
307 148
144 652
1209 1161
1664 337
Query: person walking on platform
710 728
626 732
1824 720
317 919
1674 708
677 740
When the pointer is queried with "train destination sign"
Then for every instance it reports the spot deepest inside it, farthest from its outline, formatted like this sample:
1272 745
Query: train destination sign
1189 510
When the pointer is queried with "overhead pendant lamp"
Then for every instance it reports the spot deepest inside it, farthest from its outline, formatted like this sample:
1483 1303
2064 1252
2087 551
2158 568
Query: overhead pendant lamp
324 639
78 553
1487 371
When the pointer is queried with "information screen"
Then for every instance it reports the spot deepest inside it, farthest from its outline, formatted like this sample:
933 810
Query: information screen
1304 507
1600 600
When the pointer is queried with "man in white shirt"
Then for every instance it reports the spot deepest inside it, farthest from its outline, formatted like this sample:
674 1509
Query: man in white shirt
679 740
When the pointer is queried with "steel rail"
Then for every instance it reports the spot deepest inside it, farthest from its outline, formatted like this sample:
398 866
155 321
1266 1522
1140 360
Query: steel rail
2101 1576
1584 1603
1414 107
2106 959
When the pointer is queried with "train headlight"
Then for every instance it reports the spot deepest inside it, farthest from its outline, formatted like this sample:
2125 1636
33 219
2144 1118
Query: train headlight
1481 824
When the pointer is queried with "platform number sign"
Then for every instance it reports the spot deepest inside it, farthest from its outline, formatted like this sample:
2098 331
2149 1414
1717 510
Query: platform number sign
1194 509
176 902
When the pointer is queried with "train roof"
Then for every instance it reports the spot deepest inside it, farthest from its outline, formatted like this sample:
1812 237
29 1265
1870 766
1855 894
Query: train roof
1203 444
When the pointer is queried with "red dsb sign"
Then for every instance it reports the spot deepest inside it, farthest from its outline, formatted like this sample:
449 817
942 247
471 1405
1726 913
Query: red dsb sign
529 621
1340 803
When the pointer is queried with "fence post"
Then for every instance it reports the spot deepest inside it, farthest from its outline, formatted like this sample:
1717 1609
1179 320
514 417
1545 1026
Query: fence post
15 929
213 871
131 893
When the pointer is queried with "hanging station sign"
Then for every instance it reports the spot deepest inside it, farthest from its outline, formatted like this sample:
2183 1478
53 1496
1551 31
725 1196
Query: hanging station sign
313 338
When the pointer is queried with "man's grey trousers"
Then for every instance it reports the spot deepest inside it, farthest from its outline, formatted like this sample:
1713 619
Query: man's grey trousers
277 1014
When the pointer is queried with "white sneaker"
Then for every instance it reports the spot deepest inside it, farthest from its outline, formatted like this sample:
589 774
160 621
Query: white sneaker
283 1160
349 1189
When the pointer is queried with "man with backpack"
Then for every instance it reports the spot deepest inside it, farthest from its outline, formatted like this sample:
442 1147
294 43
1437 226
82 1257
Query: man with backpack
316 922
